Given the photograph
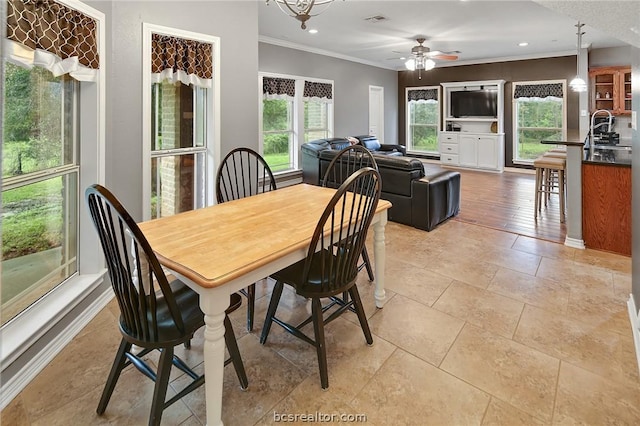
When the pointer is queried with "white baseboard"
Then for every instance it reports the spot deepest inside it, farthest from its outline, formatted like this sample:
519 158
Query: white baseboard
635 326
12 387
574 242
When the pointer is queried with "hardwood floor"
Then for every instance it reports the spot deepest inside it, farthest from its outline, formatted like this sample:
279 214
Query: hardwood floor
505 201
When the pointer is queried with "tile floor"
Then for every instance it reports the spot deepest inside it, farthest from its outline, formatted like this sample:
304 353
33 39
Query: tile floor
481 327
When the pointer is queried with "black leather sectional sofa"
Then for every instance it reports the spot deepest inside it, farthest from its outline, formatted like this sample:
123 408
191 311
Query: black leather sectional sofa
423 195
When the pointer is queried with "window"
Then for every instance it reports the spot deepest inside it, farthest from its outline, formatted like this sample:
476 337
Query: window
539 113
317 96
278 136
423 116
294 110
178 152
316 120
51 150
39 185
180 121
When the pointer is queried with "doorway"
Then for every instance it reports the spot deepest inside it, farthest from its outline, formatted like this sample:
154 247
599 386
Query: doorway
376 112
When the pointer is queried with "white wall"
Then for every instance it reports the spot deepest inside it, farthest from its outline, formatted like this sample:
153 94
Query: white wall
351 86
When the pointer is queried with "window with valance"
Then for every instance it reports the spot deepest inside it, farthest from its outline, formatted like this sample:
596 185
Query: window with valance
180 85
539 113
294 110
176 59
54 36
423 116
51 61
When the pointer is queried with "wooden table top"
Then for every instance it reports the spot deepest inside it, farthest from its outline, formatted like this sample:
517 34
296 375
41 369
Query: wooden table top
217 244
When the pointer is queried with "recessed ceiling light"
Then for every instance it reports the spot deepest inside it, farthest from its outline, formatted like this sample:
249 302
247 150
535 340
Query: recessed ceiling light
523 44
313 31
402 58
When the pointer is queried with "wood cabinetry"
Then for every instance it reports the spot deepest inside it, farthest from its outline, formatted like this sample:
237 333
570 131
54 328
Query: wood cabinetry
606 207
610 89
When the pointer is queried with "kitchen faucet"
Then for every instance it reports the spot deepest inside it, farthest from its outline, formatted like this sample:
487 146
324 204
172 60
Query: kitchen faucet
609 123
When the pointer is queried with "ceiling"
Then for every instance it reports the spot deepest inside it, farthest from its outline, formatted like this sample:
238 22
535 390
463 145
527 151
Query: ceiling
483 31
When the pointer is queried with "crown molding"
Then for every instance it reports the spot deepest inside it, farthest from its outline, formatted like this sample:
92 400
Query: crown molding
290 45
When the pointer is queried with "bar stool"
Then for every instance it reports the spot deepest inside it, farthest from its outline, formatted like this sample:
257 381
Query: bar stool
546 167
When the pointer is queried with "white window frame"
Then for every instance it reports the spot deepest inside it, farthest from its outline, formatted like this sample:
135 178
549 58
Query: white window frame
23 331
408 121
212 136
514 113
298 115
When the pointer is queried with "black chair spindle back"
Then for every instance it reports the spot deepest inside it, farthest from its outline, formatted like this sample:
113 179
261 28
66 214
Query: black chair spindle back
243 173
345 163
134 270
340 234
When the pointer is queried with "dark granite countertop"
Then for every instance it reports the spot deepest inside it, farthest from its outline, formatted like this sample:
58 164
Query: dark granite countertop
614 155
609 155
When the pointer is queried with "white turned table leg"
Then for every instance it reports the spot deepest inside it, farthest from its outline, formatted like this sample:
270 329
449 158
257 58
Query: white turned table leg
379 257
213 303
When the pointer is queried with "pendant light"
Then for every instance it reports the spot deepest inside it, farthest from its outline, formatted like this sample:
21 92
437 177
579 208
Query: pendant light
578 84
301 9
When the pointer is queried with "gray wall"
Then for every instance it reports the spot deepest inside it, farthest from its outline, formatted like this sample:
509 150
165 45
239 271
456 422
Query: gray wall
235 22
351 86
610 57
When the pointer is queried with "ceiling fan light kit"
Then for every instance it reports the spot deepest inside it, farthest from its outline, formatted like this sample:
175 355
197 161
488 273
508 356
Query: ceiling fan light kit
301 9
421 58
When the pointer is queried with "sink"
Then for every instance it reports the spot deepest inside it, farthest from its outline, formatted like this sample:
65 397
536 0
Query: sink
613 147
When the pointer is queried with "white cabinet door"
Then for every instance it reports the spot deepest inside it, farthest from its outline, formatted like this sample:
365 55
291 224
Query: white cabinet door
468 150
487 152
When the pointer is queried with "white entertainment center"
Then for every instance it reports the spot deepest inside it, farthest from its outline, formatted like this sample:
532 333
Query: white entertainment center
473 125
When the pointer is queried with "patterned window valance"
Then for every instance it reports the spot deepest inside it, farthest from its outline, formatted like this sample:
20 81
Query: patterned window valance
315 91
278 88
53 36
422 95
176 59
538 90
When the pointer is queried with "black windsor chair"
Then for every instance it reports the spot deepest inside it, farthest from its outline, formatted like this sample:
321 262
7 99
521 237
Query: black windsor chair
343 165
154 313
331 265
243 173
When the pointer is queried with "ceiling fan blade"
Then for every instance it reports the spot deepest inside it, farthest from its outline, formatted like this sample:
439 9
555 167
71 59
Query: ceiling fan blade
445 57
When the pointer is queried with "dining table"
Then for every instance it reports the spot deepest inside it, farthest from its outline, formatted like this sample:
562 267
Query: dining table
220 249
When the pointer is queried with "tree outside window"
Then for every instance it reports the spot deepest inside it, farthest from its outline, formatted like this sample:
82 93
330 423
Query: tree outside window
277 125
423 126
40 185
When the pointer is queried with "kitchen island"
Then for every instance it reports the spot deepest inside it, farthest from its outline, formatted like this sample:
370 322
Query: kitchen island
606 199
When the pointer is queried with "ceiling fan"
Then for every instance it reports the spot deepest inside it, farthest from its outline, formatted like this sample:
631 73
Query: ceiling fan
422 57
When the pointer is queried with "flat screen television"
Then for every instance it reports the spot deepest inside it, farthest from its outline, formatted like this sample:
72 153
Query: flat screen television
474 103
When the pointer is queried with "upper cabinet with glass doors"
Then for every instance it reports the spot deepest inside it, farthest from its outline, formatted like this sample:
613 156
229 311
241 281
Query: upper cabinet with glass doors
610 89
